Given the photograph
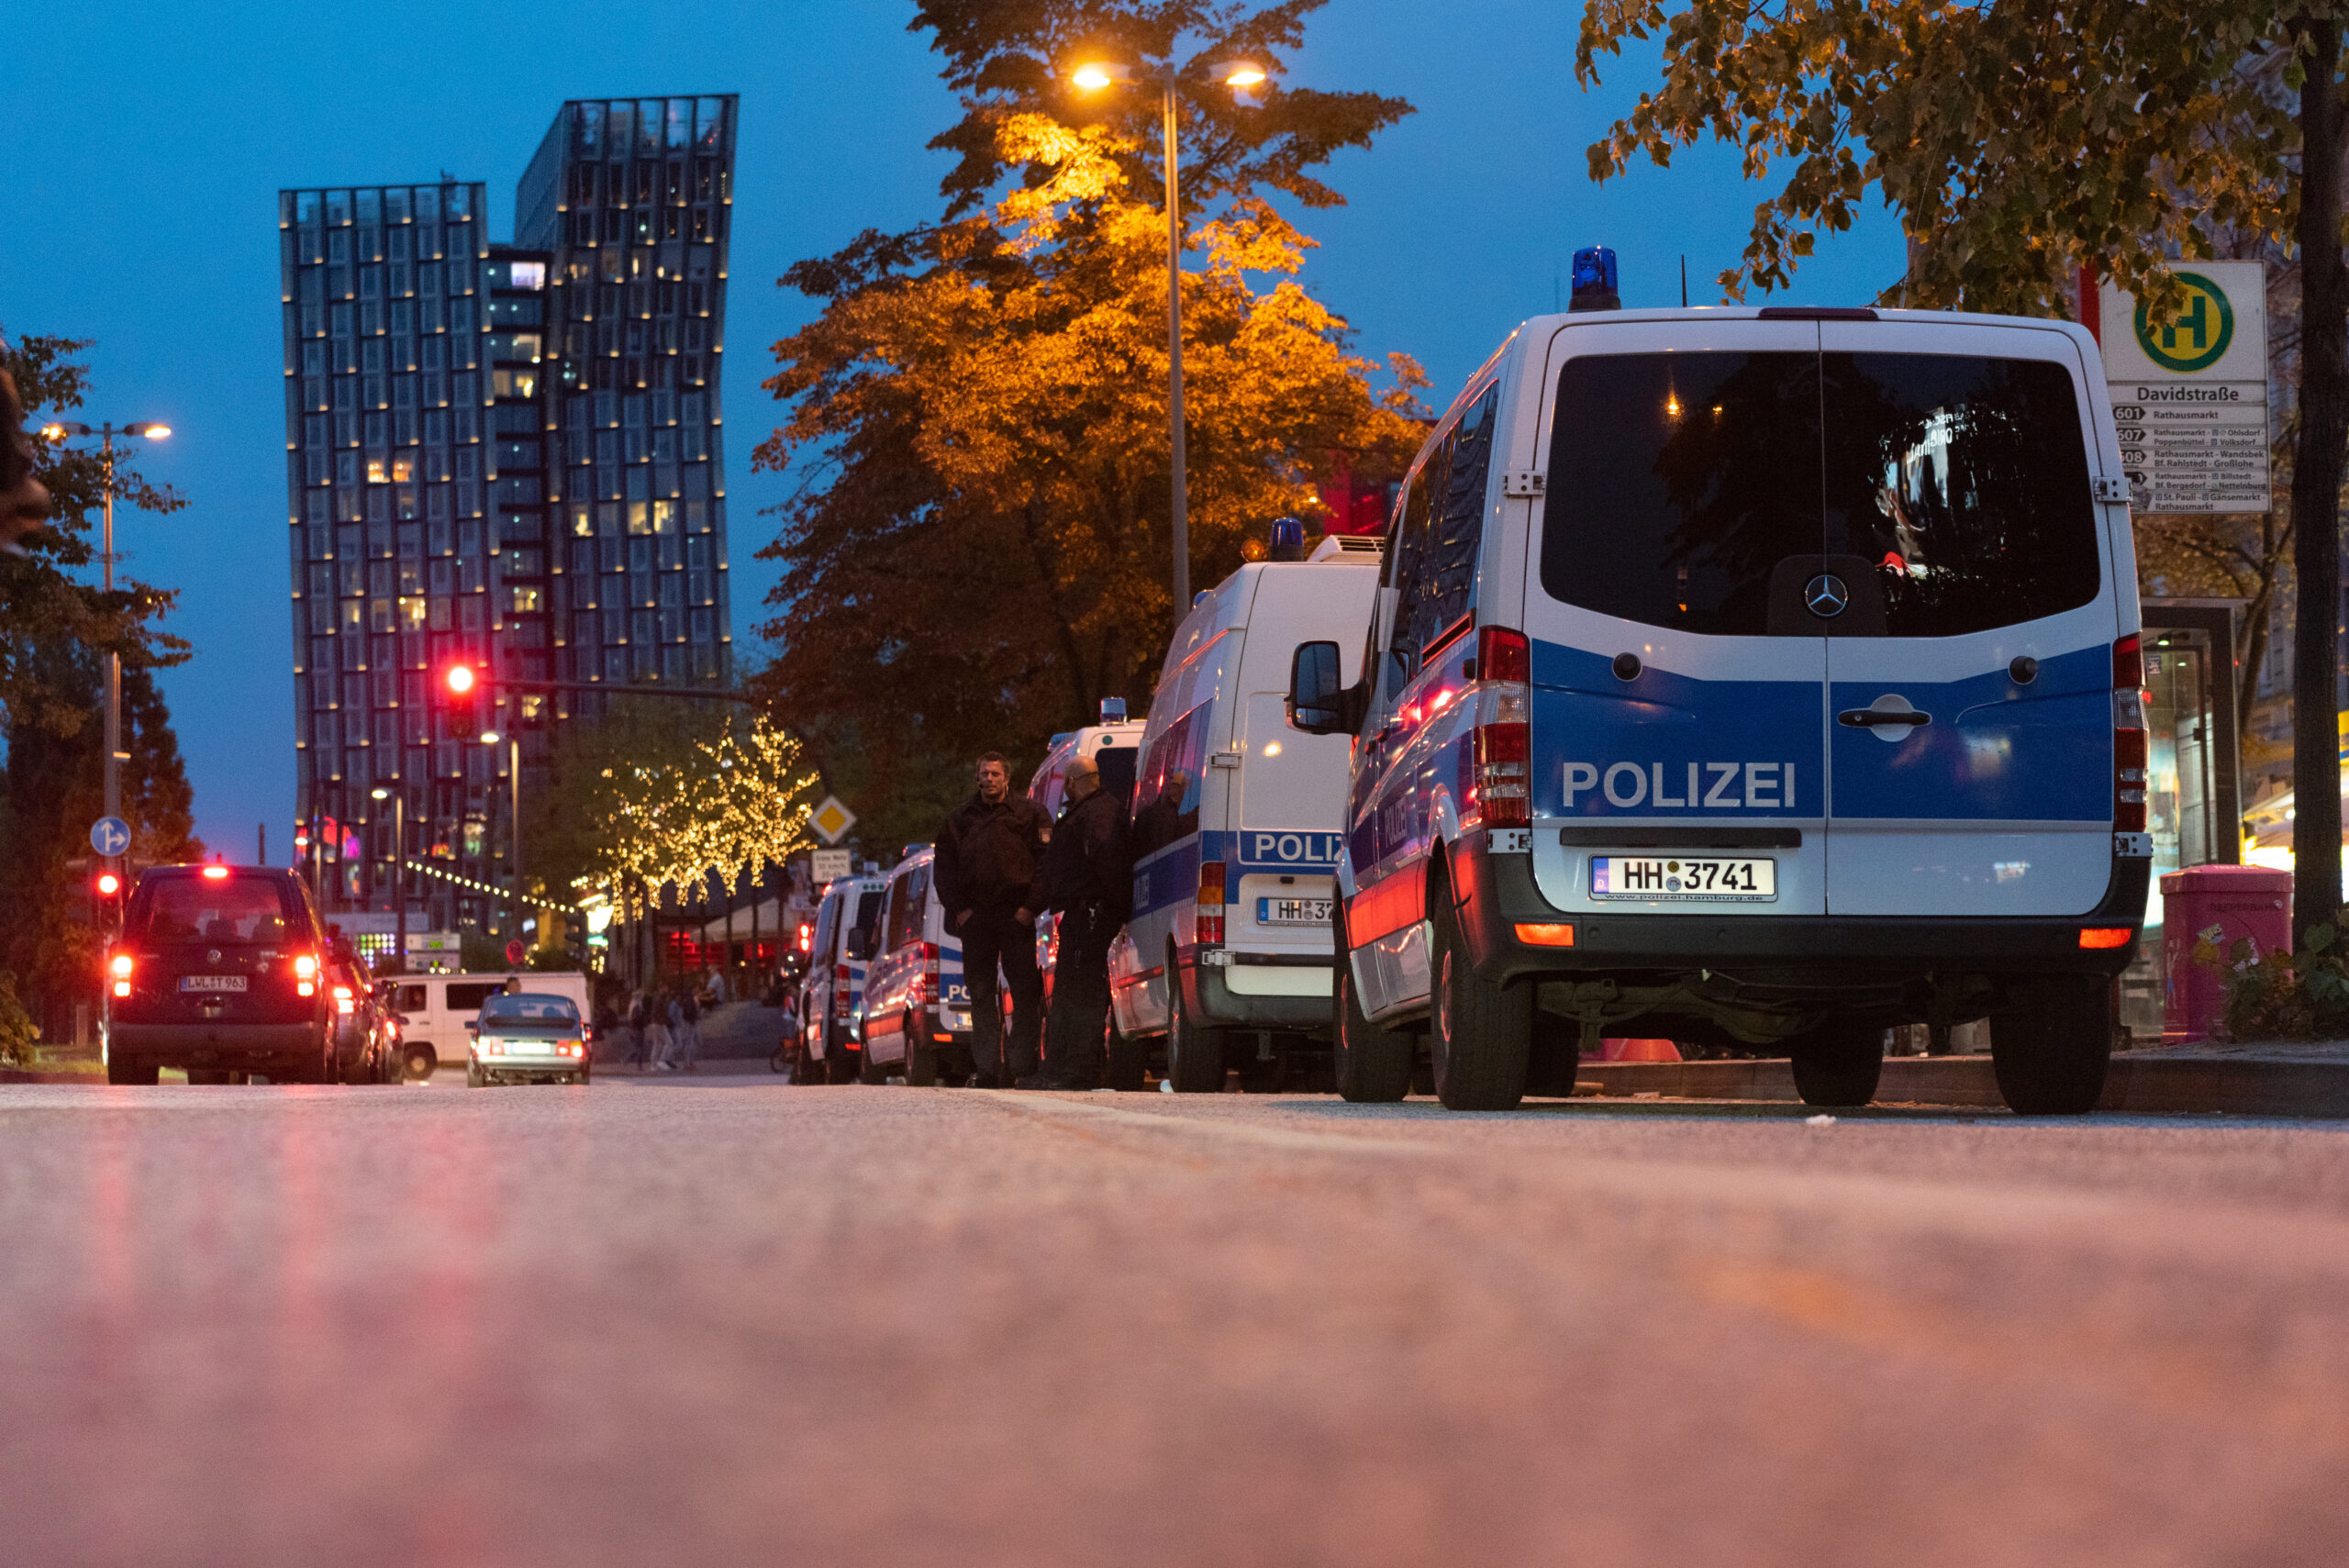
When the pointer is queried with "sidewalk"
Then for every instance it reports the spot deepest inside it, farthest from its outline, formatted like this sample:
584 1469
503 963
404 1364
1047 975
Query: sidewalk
2259 1078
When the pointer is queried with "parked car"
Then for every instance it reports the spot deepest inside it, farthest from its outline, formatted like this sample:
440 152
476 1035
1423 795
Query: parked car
1236 826
1754 677
916 1008
438 1010
220 970
527 1037
847 921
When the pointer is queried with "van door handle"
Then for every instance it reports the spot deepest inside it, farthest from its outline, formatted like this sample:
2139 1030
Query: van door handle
1869 717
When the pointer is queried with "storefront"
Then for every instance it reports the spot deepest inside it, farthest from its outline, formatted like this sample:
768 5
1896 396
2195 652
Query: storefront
2193 791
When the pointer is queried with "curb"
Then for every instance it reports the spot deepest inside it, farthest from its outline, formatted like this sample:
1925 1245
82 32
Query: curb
2168 1086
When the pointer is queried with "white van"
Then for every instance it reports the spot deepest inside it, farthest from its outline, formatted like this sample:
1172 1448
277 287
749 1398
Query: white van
846 922
1237 821
1767 677
439 1008
916 1010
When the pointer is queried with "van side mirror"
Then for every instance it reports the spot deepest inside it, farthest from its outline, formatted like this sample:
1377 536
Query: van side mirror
1317 701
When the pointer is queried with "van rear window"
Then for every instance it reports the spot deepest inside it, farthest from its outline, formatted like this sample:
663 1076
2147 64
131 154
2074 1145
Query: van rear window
208 909
1679 482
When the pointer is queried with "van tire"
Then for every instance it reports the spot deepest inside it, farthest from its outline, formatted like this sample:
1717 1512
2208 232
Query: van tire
1838 1064
1372 1062
921 1059
1480 1033
1194 1052
2051 1044
422 1059
1123 1054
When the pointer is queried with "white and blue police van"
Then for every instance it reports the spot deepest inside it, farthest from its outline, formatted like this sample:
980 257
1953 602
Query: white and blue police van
1758 677
1236 831
916 1010
848 920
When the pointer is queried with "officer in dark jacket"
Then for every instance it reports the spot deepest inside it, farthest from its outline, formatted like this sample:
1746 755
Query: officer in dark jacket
989 854
1089 877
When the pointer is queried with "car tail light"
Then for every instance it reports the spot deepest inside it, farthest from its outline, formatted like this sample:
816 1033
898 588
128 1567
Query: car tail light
2104 936
1499 789
1206 926
2129 747
305 967
120 964
1545 934
344 1000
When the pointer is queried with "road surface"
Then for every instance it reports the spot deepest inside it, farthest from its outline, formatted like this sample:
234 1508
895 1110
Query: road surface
736 1322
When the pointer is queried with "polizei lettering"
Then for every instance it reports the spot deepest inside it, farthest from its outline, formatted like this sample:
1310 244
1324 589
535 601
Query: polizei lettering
1682 786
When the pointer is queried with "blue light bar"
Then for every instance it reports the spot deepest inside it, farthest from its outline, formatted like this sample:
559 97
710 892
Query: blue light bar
1595 280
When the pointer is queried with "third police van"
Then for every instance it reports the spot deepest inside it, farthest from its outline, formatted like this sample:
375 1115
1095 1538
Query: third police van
1758 677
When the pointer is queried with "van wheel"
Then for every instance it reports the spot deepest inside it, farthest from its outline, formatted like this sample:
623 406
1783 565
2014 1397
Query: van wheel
421 1060
1838 1064
2050 1045
1124 1052
1194 1053
1372 1062
921 1059
1480 1033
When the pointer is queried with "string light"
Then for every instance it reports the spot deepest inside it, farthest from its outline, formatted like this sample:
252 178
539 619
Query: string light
733 804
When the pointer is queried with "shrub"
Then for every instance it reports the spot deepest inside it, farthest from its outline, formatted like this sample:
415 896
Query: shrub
2287 996
18 1033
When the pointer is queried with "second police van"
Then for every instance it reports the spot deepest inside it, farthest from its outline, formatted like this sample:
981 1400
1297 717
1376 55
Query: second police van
1235 852
916 1010
833 992
1767 676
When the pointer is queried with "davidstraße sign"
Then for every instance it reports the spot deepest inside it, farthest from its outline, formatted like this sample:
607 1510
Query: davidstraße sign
2189 397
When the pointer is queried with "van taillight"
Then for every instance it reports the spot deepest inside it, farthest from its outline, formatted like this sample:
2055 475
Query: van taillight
2130 746
840 992
927 989
1499 788
1207 922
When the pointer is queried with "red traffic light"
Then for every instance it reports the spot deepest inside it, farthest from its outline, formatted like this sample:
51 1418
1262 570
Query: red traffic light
108 885
459 679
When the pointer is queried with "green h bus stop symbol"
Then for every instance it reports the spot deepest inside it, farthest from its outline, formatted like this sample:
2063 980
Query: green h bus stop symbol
2197 335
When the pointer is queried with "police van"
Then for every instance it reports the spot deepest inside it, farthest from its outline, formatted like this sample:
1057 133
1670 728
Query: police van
1235 830
916 1010
1767 676
830 994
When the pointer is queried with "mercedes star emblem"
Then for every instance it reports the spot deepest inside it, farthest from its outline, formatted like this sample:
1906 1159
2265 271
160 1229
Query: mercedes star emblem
1825 596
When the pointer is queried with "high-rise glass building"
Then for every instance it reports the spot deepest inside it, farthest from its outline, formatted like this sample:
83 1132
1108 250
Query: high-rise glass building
631 200
506 456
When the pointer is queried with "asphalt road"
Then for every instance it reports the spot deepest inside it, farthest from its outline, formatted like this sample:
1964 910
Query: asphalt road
742 1323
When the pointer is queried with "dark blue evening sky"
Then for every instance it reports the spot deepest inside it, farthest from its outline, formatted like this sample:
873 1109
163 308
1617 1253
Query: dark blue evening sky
150 143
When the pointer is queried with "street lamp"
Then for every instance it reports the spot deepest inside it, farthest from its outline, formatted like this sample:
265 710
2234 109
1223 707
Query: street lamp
1239 75
399 872
55 433
514 776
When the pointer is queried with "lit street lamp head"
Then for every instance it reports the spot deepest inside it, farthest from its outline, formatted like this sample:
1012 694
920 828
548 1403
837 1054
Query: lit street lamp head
1095 75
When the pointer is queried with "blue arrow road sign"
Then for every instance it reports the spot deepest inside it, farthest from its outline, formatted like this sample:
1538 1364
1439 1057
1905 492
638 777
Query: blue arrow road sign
110 836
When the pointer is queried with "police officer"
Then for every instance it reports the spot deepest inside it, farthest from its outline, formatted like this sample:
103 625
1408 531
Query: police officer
989 854
1089 877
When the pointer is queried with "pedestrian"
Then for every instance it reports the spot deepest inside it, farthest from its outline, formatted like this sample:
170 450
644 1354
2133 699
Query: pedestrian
657 1042
1089 877
989 854
688 1028
640 1018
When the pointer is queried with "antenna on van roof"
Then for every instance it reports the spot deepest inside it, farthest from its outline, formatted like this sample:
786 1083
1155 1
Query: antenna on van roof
1683 279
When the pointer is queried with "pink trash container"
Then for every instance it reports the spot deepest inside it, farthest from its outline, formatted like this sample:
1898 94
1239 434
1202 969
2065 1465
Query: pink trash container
2222 906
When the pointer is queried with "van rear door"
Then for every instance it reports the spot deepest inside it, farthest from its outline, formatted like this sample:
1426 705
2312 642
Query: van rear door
1957 467
1678 670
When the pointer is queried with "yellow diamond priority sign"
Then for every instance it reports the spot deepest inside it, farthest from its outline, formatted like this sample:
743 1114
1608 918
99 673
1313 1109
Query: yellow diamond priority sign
831 819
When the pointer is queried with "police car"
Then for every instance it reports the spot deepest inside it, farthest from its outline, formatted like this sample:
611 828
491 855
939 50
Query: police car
1763 677
1234 831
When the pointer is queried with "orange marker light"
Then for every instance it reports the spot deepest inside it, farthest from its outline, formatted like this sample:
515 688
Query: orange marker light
2106 936
1545 935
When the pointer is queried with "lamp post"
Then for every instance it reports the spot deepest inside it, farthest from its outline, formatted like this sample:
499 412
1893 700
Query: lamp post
153 430
514 776
399 872
1238 74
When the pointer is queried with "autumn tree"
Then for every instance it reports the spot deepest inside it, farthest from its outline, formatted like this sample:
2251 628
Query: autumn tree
978 548
2021 140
